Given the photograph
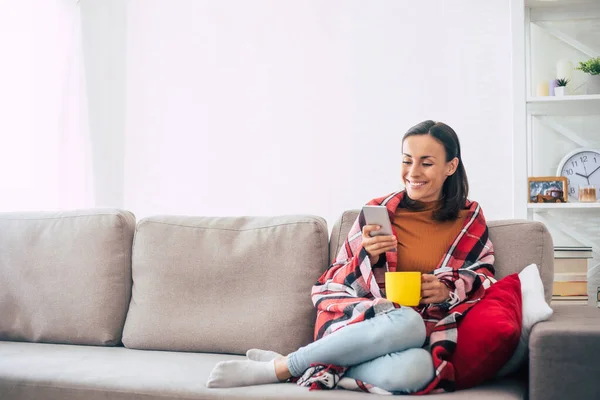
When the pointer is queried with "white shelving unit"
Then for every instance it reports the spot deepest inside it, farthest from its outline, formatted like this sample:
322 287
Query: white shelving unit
549 4
577 105
546 128
562 206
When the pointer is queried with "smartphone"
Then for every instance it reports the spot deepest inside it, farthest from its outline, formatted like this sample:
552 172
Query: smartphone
378 215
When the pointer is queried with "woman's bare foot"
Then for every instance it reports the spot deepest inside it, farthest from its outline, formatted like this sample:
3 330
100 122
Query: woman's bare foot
281 369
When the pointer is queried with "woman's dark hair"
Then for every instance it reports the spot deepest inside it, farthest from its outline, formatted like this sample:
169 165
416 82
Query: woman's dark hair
456 187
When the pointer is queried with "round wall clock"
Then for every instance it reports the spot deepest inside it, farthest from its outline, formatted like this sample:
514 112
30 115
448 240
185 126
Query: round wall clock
581 167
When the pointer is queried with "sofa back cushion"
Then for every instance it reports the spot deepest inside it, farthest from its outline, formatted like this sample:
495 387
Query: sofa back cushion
225 285
65 277
517 243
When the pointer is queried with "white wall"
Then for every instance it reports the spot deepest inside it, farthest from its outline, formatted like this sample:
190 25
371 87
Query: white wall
22 181
43 136
272 107
103 35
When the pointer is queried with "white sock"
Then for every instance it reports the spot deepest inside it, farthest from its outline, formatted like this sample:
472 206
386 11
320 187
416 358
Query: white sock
262 355
242 373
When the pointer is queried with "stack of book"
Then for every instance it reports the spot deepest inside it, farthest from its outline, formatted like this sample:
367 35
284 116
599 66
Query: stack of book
570 274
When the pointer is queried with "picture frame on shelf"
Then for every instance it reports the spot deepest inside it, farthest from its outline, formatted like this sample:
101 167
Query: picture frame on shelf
547 189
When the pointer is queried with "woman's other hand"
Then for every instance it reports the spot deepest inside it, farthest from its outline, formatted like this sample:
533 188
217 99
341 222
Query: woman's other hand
432 290
377 245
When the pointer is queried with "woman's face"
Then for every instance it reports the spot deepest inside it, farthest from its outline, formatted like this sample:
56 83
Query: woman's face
424 167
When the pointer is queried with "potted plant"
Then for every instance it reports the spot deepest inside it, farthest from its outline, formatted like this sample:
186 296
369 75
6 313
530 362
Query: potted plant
561 88
592 67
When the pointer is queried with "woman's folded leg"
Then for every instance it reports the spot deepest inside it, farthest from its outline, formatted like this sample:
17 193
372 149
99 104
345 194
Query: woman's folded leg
405 371
397 330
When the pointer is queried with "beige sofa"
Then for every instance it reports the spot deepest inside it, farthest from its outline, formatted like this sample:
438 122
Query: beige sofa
93 306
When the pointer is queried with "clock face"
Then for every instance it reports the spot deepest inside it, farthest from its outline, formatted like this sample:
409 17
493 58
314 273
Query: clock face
580 168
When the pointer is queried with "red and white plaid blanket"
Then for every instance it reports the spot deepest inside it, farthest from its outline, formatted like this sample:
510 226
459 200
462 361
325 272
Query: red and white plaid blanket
348 292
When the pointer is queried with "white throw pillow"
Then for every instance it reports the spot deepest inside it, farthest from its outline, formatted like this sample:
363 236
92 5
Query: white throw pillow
535 309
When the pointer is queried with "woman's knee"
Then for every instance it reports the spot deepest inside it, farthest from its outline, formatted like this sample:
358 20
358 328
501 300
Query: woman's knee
397 330
414 374
412 317
407 327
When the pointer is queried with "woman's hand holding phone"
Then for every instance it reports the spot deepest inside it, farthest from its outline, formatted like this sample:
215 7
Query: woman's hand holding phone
377 245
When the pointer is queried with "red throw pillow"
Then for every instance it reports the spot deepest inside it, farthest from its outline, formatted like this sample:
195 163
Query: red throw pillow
488 334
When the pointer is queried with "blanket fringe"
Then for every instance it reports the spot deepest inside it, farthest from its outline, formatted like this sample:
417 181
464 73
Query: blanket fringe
321 377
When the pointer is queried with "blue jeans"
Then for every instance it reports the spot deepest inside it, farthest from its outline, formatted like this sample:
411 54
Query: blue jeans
384 351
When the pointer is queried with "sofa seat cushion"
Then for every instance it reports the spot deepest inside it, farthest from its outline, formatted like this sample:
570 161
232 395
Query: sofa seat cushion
225 285
65 277
50 371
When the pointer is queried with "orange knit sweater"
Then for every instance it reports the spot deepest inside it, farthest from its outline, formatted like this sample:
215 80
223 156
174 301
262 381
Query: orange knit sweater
422 241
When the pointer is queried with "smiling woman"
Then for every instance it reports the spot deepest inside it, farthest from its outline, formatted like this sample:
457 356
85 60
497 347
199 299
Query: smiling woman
424 167
365 336
436 192
432 169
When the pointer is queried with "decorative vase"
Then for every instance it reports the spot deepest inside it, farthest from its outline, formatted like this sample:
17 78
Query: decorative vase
593 84
564 69
561 91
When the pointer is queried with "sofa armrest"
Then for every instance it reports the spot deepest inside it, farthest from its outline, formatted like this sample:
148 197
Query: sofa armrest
564 355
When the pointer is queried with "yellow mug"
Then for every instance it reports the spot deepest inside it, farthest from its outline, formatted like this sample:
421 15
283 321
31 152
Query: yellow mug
403 287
